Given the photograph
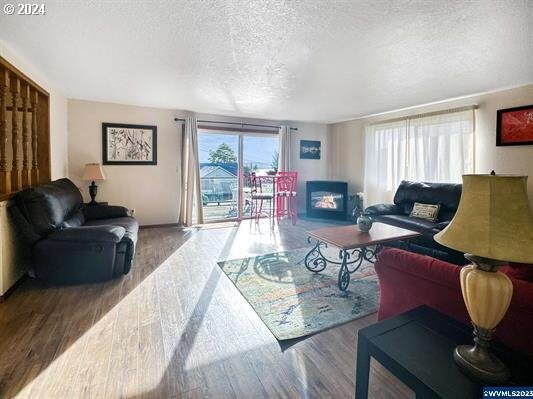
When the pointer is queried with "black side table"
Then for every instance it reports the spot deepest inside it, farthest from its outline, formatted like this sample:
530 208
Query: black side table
417 347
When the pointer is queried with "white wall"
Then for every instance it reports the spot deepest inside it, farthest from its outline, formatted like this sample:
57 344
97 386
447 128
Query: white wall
514 159
153 190
347 138
309 169
347 153
58 111
58 136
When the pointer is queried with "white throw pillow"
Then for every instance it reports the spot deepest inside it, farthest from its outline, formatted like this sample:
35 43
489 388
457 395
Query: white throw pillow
425 211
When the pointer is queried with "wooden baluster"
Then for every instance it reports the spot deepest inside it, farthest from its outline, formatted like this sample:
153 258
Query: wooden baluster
5 177
26 171
35 137
16 175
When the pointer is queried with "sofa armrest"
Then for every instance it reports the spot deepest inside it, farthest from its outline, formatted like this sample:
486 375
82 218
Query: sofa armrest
408 280
88 234
383 209
93 212
442 225
438 227
419 266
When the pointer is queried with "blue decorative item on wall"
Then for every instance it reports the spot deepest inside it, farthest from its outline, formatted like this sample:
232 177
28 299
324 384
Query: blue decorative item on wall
309 149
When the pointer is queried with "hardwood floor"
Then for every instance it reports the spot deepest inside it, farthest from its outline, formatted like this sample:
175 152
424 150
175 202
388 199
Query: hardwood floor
174 327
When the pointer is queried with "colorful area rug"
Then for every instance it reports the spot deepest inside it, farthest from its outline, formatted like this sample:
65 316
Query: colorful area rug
294 302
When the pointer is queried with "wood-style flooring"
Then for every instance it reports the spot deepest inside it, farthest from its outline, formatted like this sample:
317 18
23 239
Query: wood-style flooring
174 327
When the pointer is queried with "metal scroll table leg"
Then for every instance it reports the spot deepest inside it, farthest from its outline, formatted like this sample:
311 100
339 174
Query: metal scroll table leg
349 261
370 254
344 273
314 260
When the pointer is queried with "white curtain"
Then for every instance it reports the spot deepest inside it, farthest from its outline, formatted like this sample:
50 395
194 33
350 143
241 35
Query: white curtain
190 175
441 147
385 161
438 148
284 159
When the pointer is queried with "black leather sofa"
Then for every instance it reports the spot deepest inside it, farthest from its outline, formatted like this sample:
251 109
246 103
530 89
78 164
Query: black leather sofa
72 243
397 214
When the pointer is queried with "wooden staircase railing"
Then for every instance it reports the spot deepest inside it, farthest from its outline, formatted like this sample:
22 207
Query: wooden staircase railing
24 131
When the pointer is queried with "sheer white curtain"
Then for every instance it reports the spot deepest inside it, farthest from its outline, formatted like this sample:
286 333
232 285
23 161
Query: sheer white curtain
436 148
284 159
385 161
441 147
190 175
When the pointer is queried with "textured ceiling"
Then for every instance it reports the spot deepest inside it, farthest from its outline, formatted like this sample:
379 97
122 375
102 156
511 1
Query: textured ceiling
290 60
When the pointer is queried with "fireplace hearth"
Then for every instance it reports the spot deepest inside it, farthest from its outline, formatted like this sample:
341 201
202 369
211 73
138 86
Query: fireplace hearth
327 199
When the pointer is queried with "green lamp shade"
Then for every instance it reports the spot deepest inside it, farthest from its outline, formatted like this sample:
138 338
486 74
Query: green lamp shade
493 219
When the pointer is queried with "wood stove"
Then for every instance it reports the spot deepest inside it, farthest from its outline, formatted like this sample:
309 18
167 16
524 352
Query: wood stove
327 199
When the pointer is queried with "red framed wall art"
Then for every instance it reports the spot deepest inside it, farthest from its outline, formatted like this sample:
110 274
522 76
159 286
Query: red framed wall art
514 126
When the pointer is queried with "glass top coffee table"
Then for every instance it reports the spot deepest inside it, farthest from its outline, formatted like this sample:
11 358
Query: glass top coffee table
354 247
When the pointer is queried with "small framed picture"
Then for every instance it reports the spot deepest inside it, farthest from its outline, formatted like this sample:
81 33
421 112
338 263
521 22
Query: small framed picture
514 126
309 149
124 144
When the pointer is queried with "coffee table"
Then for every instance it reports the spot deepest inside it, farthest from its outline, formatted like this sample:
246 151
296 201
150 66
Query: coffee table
354 247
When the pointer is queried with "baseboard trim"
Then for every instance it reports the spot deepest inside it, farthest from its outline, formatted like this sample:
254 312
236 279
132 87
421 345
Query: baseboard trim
332 221
153 226
10 290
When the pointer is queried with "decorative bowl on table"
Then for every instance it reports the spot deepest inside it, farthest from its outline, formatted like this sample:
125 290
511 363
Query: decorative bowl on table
364 223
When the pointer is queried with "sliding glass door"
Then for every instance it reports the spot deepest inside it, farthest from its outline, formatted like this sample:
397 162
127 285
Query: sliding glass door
219 175
260 156
226 161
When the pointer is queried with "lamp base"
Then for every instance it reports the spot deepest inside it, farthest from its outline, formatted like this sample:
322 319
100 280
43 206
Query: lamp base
481 364
93 190
487 294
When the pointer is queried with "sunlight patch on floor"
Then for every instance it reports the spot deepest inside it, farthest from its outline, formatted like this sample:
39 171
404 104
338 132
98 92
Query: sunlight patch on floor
299 364
253 238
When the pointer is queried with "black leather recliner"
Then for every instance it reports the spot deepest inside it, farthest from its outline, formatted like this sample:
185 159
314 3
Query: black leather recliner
446 195
72 243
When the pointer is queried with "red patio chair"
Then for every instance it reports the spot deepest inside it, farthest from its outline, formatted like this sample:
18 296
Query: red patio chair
287 195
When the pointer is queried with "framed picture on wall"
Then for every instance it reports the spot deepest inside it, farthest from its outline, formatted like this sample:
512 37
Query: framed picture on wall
514 126
124 144
309 149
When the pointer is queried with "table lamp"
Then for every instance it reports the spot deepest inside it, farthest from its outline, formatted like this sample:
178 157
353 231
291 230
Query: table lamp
92 172
493 225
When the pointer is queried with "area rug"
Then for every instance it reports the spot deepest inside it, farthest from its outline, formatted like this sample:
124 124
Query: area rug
294 302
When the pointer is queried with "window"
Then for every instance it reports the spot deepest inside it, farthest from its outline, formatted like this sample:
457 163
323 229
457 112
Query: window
435 147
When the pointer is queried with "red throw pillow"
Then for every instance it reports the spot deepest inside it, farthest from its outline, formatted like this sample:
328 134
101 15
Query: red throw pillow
519 271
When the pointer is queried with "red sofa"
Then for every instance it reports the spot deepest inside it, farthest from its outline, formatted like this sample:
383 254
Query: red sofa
408 280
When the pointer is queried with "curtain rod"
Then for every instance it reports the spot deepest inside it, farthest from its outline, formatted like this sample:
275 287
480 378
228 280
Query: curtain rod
426 114
234 123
